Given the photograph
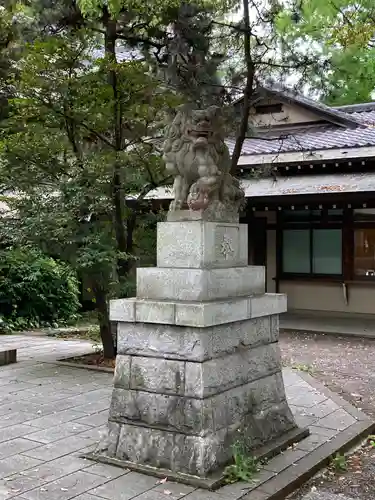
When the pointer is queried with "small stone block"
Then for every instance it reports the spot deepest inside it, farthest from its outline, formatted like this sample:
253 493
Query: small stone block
198 244
148 311
122 372
191 342
8 357
211 313
217 375
199 284
267 304
158 375
122 309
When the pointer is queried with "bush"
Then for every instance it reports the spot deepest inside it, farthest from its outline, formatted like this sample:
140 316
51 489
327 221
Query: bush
35 290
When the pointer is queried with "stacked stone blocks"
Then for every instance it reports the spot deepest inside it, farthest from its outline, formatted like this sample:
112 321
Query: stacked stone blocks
198 363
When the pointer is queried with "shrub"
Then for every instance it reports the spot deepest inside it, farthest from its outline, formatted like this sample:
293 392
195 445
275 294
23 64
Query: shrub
35 290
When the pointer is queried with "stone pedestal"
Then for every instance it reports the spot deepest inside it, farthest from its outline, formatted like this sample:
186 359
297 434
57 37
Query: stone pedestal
198 363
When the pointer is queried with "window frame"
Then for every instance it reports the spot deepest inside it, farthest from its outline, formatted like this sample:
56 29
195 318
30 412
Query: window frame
348 226
311 274
355 227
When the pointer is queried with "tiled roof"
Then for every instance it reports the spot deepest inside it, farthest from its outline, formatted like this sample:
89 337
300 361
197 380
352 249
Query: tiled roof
366 117
317 137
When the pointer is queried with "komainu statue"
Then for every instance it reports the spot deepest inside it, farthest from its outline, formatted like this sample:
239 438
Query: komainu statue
196 154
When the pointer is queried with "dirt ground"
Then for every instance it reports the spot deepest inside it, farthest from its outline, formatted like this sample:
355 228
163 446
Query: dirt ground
347 367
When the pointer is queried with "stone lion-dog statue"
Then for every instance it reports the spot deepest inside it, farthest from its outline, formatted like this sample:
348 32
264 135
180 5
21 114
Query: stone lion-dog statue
196 155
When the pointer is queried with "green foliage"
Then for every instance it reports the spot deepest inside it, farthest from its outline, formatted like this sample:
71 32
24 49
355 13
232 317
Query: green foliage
340 36
339 463
371 441
244 467
35 290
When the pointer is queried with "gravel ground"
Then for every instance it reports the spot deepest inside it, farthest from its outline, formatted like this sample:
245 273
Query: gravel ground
347 367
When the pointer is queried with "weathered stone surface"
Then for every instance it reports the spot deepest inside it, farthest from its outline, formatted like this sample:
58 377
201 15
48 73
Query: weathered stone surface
268 304
198 244
189 343
220 374
200 314
155 312
275 327
273 421
199 284
177 452
228 338
197 455
122 371
230 407
122 308
196 313
163 411
158 375
163 341
196 416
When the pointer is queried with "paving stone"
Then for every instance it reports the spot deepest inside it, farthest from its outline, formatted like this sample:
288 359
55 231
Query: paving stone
14 418
94 433
42 474
339 419
66 390
257 494
304 420
59 448
94 406
15 446
107 471
88 496
177 490
262 476
204 495
312 442
56 419
155 495
237 490
14 431
55 433
284 460
125 487
66 487
95 419
307 398
323 431
17 463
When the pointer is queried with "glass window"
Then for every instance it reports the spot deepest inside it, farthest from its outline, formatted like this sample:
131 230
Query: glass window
364 252
320 255
296 251
327 251
364 214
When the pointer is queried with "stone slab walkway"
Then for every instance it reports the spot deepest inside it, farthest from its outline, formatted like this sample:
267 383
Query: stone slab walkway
43 348
51 414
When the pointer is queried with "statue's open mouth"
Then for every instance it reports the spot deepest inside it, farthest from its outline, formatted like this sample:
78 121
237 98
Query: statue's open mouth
200 135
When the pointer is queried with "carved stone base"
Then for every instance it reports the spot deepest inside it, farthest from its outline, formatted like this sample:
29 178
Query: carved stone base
198 364
181 399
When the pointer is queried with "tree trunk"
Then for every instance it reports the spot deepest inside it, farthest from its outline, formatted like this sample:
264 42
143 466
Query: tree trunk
109 350
118 195
246 104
